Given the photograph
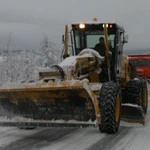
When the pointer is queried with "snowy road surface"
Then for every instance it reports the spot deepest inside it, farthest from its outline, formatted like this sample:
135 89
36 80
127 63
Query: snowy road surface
129 137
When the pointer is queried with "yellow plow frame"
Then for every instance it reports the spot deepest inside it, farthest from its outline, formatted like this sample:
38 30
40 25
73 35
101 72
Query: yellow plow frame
48 103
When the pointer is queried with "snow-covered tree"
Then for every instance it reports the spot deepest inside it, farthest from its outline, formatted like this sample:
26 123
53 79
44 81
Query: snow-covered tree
20 66
46 55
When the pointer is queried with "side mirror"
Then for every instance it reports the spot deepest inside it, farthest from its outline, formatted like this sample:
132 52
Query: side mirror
63 38
125 39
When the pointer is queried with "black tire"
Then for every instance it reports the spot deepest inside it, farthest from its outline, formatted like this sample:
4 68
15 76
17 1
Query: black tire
109 102
144 95
133 92
137 93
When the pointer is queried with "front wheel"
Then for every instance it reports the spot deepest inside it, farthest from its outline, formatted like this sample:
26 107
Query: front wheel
110 107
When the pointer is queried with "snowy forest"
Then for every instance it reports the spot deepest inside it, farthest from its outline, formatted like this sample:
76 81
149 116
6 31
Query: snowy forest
21 66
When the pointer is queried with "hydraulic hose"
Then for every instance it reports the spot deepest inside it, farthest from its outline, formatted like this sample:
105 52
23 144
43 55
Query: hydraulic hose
60 70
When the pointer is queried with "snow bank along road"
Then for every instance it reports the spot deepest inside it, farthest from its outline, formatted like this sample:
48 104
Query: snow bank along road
129 137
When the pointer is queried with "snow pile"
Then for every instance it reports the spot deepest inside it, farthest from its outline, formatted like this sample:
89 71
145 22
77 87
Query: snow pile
92 53
69 61
69 64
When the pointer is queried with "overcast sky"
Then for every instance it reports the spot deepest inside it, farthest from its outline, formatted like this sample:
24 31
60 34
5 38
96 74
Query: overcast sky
29 20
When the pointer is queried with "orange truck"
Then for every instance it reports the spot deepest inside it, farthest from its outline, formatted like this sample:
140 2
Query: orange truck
142 64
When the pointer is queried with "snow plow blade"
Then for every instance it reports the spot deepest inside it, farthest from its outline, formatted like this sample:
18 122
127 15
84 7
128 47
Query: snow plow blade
132 114
48 104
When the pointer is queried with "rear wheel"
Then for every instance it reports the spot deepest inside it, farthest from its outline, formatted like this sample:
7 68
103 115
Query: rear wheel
144 95
136 93
133 92
110 107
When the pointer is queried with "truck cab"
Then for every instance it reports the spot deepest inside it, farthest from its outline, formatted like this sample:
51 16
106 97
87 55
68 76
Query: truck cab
142 65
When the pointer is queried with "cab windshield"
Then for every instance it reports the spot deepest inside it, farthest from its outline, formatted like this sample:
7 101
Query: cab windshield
88 38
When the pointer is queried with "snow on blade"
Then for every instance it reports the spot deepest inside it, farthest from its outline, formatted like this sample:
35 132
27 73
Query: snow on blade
27 120
69 61
14 85
132 105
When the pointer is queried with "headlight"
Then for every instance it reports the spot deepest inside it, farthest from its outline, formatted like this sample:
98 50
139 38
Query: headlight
106 25
81 26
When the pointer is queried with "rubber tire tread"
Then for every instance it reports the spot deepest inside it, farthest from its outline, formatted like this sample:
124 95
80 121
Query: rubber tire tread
133 92
107 102
143 87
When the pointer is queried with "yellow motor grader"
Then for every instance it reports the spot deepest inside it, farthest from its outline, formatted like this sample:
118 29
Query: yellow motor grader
85 89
